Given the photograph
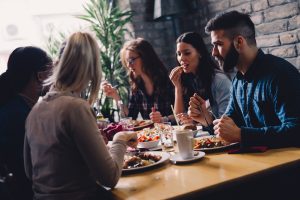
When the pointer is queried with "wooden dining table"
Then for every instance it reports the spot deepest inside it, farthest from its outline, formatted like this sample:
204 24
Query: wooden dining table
217 175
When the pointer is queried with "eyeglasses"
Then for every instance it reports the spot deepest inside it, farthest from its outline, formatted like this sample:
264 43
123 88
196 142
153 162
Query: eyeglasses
131 61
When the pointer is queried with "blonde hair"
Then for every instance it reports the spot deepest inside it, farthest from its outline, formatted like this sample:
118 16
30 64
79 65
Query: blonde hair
79 66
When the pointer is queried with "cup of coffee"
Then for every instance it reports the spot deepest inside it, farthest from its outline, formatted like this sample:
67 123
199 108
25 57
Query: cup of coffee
185 143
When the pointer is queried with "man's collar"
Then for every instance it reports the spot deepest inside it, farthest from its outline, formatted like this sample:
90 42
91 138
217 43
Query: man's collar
253 69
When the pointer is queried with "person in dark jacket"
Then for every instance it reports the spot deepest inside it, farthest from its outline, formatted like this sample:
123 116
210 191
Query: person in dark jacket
20 88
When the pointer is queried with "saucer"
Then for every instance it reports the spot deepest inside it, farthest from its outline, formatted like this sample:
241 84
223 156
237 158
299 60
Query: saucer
176 158
157 148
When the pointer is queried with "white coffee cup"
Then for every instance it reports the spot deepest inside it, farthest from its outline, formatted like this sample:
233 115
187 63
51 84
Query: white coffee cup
185 143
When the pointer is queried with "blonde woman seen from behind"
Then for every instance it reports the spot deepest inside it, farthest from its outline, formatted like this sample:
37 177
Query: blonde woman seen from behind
64 153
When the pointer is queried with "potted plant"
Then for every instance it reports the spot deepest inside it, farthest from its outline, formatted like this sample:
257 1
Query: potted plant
108 23
54 41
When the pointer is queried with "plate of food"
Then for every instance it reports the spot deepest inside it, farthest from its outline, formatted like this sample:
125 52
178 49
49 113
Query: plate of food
211 143
141 124
143 160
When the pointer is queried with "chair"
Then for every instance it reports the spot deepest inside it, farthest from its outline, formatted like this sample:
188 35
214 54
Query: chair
6 181
13 182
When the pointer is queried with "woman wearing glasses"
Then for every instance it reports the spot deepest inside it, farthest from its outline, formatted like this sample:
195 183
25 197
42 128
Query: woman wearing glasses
151 90
197 73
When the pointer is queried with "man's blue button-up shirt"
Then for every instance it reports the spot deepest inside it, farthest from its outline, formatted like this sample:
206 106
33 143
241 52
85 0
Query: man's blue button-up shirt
265 103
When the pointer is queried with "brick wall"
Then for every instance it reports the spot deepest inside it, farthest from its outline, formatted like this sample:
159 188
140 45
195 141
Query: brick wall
277 25
159 34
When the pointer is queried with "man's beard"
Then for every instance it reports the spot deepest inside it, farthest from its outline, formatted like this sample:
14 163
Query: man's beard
230 61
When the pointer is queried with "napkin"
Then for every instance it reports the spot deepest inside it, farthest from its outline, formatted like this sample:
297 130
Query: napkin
111 130
254 149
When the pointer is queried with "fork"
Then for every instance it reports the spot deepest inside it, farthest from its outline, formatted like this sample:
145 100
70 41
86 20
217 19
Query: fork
137 151
207 125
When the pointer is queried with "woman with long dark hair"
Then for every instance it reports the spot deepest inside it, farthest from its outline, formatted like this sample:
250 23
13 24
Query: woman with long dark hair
197 73
20 88
151 90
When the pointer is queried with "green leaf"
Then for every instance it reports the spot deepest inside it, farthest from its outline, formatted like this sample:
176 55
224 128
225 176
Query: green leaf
108 24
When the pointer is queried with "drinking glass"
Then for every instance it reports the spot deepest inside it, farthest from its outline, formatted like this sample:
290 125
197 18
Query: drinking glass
166 136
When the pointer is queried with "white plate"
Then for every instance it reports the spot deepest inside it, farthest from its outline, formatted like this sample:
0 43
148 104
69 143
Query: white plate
147 123
176 158
215 148
201 133
158 147
164 157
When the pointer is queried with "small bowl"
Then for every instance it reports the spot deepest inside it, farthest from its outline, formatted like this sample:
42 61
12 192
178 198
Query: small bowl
148 145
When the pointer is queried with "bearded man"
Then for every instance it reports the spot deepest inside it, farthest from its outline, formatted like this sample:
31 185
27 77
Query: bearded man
264 105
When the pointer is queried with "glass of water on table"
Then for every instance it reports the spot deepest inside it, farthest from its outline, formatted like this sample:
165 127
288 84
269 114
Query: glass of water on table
166 136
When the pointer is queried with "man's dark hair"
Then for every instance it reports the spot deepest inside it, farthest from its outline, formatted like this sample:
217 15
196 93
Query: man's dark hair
233 23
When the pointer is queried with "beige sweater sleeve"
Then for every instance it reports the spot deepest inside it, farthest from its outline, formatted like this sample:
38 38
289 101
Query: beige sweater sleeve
105 166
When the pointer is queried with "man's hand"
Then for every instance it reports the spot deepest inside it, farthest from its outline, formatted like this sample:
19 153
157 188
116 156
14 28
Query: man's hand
227 129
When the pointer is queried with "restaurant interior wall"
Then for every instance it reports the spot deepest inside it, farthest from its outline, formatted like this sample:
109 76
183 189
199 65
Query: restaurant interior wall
27 22
277 25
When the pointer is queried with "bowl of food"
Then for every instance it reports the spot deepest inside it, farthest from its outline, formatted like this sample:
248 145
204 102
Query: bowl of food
148 144
148 138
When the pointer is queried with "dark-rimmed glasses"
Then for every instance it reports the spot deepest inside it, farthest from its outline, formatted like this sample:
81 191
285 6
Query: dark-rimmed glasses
131 61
